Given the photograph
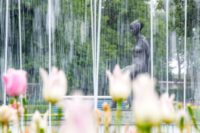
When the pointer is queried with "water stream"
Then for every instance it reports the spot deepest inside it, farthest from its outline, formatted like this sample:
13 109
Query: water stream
96 28
20 33
6 45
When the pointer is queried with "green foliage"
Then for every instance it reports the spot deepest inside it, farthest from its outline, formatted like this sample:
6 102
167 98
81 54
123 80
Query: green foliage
192 117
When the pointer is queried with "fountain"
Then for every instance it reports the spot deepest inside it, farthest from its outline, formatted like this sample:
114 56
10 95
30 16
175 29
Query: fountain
185 54
86 37
167 45
96 28
6 45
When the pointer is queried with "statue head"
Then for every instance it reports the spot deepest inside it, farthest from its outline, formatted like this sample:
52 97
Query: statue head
136 26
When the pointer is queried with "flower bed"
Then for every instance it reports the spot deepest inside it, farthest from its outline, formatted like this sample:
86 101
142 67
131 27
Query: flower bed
150 112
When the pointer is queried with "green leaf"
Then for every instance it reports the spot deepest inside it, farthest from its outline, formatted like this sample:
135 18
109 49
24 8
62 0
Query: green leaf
192 117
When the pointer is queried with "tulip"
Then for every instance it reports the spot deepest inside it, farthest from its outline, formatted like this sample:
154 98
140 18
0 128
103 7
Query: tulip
97 115
119 89
107 116
106 107
167 108
119 84
15 82
7 114
146 102
79 116
54 85
39 123
18 107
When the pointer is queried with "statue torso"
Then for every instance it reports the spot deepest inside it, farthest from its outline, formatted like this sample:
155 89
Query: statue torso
141 55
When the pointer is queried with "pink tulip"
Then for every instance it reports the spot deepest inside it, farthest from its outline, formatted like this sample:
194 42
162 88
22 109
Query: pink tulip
15 82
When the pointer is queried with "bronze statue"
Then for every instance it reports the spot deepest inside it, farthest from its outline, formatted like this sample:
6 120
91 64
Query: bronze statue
141 53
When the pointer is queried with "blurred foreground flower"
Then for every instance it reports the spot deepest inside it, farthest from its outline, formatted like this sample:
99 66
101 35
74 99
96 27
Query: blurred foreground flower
79 116
39 123
119 84
97 115
54 85
129 129
107 117
15 82
119 89
18 107
146 103
167 108
7 114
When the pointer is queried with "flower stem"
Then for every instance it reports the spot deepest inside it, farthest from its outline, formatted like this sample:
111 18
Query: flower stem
159 128
119 111
50 126
5 128
2 127
144 131
60 114
144 128
21 114
118 115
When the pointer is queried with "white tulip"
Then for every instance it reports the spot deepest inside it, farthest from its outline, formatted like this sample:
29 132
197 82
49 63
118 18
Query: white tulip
146 101
144 86
54 85
167 108
7 114
36 117
119 84
38 122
